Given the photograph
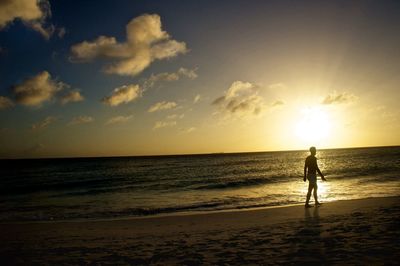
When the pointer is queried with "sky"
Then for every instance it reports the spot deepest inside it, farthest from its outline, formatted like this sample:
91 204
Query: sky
120 78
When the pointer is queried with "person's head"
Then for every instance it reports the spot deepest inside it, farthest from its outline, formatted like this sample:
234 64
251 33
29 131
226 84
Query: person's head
313 150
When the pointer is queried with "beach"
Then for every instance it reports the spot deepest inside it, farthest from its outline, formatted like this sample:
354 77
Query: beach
357 232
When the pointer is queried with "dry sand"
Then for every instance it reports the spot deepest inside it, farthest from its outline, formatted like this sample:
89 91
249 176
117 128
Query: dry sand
354 232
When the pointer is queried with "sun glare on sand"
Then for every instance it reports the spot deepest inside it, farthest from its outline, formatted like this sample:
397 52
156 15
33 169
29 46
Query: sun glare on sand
313 126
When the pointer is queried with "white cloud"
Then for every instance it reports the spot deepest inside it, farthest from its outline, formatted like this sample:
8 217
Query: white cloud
35 90
72 96
5 102
241 99
83 119
118 119
145 43
123 94
161 124
197 98
32 13
339 98
43 124
168 77
162 106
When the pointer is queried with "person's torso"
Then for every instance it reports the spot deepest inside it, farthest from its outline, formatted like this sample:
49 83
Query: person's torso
311 163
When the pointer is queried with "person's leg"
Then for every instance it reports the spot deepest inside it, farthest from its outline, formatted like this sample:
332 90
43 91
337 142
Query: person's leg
316 194
310 188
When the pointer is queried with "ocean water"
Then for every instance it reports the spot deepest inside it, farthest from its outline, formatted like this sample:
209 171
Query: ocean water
119 187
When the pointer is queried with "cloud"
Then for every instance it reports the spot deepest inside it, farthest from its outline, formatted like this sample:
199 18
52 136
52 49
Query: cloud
277 103
197 98
32 13
145 43
61 32
43 124
339 98
162 106
175 116
187 130
123 94
161 124
190 73
5 103
83 119
35 90
169 121
168 77
72 96
241 99
118 119
277 86
154 79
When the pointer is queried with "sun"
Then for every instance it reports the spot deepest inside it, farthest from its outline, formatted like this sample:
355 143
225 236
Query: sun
313 126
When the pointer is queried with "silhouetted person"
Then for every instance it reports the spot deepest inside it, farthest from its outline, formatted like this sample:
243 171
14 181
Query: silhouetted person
310 173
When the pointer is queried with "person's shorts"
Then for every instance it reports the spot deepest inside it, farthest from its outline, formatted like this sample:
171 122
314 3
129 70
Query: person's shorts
312 178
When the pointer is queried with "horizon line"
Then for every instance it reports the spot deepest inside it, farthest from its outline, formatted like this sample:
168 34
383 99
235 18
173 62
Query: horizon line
190 154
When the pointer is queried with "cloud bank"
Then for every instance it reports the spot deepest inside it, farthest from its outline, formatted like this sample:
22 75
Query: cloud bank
145 43
241 99
123 94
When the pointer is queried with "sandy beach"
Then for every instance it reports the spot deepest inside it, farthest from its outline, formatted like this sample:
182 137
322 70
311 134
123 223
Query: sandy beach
356 232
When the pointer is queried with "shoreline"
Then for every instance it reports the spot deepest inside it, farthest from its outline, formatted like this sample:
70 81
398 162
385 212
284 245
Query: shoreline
182 214
361 231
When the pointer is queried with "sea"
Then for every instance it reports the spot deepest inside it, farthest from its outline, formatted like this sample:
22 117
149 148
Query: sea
124 187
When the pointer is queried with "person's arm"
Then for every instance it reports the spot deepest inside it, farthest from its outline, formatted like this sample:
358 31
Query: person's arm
305 171
319 172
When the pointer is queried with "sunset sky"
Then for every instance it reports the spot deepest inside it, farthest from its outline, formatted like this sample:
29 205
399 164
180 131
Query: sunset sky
109 78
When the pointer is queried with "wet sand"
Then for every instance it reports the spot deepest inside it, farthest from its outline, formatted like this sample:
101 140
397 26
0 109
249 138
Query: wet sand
356 232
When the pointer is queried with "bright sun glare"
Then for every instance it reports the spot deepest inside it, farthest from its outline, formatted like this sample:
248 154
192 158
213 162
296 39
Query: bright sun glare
313 126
